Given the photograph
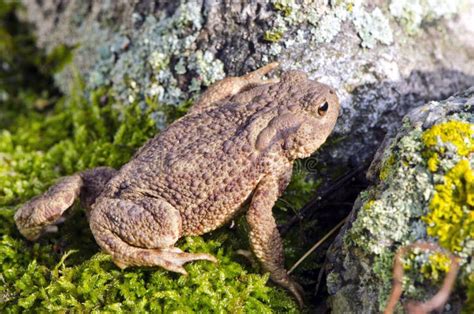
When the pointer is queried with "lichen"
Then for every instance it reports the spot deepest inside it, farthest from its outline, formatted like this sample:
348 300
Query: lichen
387 167
273 36
436 267
451 215
440 139
372 27
387 218
426 193
284 6
163 50
326 22
412 13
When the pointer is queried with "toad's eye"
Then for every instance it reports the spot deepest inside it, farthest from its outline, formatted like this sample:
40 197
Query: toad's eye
323 108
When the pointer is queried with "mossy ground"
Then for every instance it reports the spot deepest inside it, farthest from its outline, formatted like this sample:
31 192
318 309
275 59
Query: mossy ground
45 135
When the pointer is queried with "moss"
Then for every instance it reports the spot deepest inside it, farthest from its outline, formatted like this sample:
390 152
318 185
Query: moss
84 132
37 279
21 65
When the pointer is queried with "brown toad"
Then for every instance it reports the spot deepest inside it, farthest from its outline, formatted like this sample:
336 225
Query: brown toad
236 146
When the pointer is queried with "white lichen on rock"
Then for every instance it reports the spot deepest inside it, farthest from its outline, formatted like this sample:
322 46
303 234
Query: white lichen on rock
207 67
163 49
411 13
372 27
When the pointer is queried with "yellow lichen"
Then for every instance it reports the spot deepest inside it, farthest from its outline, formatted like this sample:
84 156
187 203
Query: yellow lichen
451 215
433 162
437 267
368 205
457 133
283 6
273 36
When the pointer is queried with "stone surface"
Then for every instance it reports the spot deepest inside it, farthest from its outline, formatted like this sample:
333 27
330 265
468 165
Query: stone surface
402 206
382 58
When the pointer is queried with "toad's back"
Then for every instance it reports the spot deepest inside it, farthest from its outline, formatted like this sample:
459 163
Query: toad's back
204 164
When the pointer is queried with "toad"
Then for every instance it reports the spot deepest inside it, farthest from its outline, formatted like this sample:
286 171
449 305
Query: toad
232 152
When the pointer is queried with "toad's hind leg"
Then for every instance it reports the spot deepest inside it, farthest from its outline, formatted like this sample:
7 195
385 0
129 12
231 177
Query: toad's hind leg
141 233
41 214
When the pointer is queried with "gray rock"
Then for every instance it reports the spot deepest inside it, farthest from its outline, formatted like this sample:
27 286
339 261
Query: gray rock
383 59
395 211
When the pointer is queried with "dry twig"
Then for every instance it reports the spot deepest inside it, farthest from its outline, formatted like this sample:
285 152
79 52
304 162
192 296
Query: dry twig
302 258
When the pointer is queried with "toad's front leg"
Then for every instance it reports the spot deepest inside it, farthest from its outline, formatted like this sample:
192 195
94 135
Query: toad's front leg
231 86
264 236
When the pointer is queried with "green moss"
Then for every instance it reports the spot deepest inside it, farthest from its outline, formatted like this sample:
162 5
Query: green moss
84 132
34 278
79 133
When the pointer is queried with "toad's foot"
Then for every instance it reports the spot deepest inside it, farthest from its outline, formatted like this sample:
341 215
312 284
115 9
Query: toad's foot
141 233
286 282
171 259
40 214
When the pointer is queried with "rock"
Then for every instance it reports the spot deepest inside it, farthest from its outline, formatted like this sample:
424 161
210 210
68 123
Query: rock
383 59
423 189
